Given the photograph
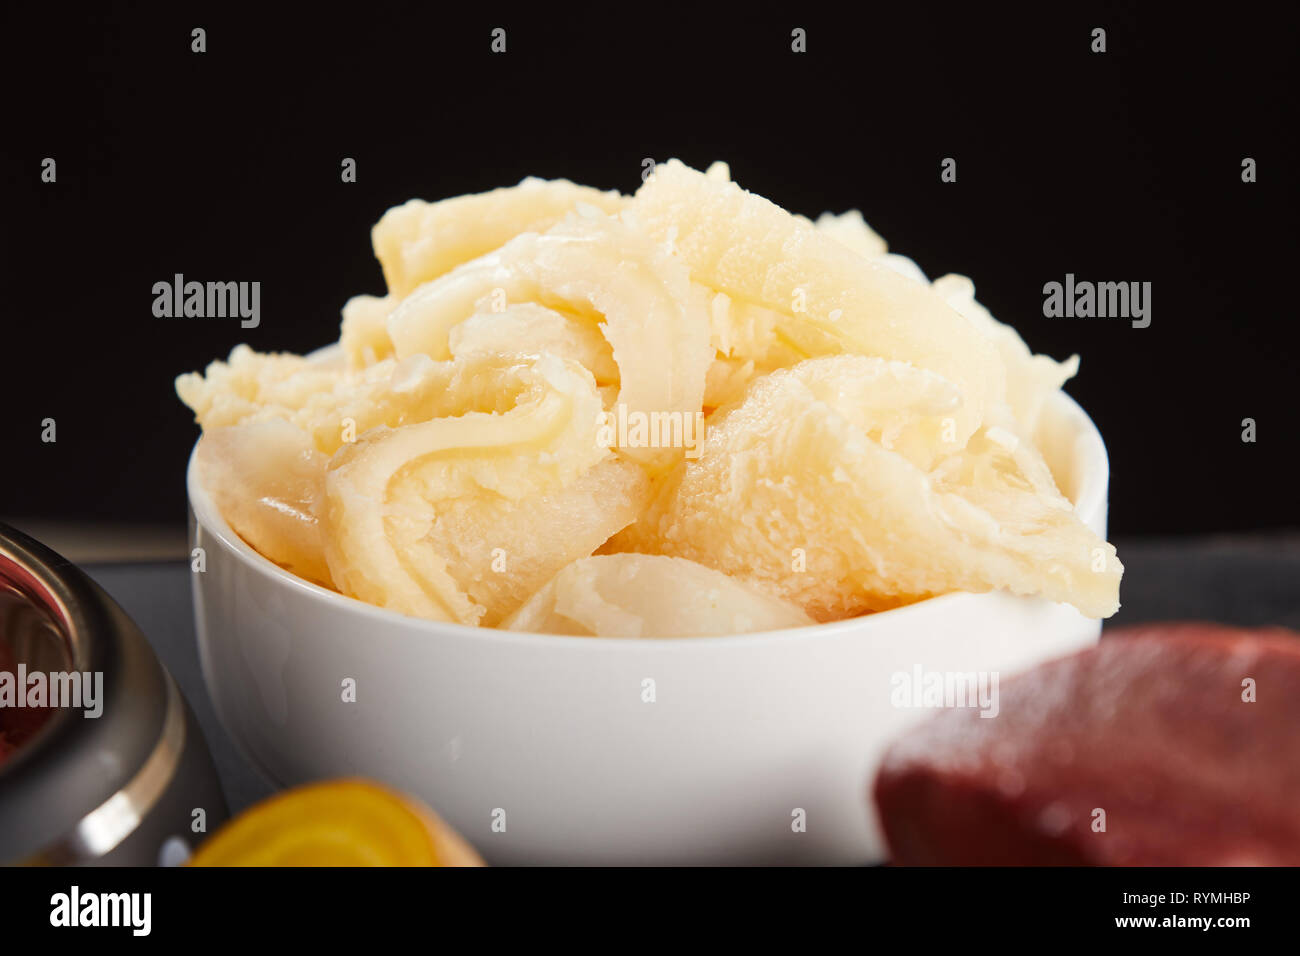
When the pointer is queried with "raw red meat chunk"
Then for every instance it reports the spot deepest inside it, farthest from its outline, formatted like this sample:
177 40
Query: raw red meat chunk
1169 744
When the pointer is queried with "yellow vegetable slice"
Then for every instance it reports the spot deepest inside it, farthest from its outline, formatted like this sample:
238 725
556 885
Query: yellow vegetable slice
336 823
419 241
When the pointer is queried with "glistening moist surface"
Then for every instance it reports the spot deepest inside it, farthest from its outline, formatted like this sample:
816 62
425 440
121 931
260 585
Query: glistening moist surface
1166 745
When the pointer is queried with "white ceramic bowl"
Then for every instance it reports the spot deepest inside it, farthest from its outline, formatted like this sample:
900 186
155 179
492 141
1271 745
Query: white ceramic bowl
551 735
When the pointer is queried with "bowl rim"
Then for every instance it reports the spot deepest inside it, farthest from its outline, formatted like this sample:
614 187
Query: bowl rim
1092 469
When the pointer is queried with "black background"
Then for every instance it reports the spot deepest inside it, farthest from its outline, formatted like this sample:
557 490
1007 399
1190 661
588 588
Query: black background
225 166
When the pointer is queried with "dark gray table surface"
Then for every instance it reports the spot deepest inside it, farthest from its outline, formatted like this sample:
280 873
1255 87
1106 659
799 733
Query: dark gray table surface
1251 581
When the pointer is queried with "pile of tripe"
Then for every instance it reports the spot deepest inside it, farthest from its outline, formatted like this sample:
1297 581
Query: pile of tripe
509 437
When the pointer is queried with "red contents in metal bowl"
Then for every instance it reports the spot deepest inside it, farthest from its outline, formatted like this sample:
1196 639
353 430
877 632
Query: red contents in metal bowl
17 724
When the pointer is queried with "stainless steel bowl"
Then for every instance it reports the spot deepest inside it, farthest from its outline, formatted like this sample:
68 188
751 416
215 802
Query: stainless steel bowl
112 789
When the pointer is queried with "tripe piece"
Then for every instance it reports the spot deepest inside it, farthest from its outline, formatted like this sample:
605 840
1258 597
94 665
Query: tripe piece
419 241
628 595
267 480
638 296
820 488
517 428
832 298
